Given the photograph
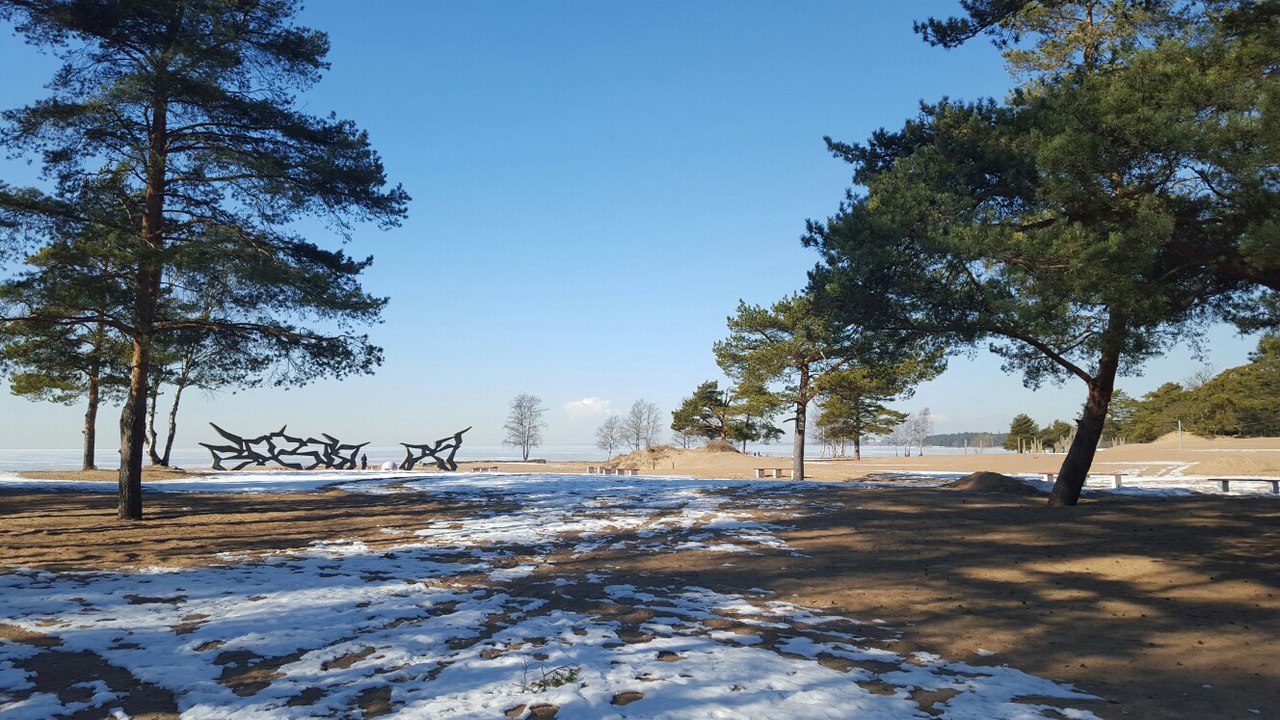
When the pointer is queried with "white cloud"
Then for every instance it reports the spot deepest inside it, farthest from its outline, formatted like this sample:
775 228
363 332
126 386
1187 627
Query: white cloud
587 408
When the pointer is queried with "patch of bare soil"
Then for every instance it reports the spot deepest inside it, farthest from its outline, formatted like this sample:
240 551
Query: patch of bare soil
1165 607
149 473
80 531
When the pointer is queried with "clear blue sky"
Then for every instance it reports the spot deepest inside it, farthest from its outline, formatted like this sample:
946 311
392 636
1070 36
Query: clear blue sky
595 185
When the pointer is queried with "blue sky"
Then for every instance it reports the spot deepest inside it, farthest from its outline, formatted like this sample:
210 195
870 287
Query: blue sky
595 185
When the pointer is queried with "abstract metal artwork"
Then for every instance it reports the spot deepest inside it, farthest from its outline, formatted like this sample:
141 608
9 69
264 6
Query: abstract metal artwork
284 450
413 454
309 453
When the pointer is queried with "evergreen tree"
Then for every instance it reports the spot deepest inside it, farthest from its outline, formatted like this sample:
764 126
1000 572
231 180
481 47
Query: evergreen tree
190 103
1242 401
784 355
1057 435
1062 227
784 351
1119 425
78 274
66 365
1022 432
739 415
1158 412
853 399
705 413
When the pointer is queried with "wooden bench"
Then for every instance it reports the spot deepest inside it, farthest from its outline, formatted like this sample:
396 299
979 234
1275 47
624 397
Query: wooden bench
1225 483
1116 478
775 473
602 470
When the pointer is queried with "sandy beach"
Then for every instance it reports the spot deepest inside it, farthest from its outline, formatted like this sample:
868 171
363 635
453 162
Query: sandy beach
1197 457
1160 607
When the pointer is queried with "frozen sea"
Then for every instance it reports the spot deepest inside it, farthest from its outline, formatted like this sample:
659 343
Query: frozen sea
13 459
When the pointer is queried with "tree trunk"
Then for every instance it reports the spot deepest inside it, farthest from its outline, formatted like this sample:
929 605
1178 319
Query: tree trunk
133 417
184 379
1075 467
857 447
802 408
153 401
91 424
132 432
173 423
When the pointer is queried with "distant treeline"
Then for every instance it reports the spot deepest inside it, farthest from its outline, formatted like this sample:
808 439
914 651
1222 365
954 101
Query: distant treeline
1241 401
972 439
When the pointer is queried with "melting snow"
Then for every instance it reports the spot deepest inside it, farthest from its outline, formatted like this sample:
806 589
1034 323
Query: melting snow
469 619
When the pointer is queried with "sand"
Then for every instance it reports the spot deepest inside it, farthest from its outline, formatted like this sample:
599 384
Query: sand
1218 457
1165 607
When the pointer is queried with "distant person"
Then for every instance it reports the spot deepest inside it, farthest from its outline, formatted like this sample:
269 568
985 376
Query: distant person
364 462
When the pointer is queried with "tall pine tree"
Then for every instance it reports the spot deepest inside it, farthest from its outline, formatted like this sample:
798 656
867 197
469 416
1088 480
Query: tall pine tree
192 104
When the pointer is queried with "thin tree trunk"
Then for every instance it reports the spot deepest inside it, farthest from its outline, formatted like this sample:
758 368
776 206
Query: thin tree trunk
91 423
1075 467
802 408
184 378
153 401
857 446
173 424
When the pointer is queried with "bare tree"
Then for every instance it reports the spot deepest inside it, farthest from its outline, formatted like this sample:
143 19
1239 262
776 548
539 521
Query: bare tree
609 435
524 423
642 424
687 438
916 428
1197 379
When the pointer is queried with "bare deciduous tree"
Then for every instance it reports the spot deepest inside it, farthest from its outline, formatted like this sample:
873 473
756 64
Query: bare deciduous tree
609 435
687 438
642 424
524 423
1197 379
916 428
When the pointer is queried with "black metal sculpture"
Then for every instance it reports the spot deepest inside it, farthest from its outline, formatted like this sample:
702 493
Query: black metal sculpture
295 452
434 451
284 450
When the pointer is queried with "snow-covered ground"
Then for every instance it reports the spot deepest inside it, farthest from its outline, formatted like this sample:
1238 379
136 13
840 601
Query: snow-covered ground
494 614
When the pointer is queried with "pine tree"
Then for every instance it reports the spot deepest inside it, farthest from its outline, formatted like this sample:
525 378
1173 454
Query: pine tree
1097 217
1023 431
191 105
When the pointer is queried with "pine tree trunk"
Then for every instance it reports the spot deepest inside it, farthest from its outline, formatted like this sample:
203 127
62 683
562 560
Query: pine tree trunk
802 407
184 379
132 432
1075 467
857 447
173 423
91 424
153 401
133 417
